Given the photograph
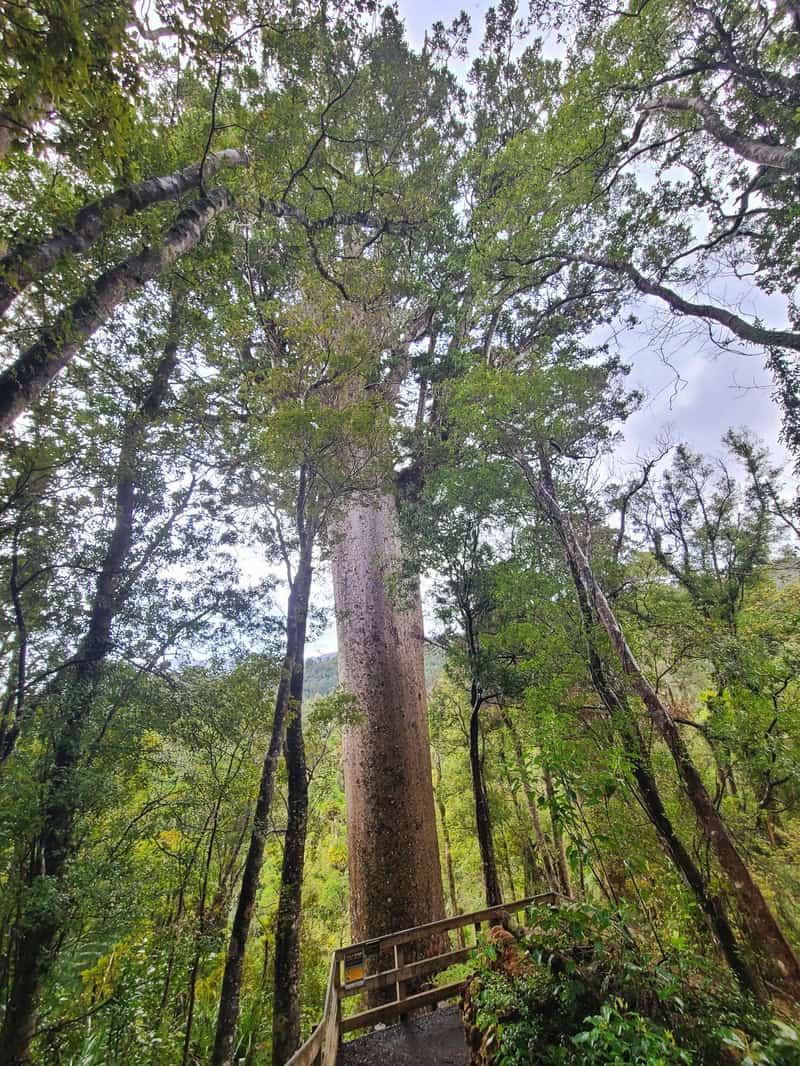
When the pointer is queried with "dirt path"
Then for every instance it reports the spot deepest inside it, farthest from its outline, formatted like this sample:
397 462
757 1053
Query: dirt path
435 1039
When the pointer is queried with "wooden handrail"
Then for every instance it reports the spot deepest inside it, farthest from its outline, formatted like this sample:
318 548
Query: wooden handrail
321 1047
443 925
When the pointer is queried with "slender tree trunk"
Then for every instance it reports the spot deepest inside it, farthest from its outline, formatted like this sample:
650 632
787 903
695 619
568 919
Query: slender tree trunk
448 852
532 872
230 995
766 937
562 866
200 933
22 383
505 859
483 821
532 802
25 263
286 995
395 874
650 795
35 942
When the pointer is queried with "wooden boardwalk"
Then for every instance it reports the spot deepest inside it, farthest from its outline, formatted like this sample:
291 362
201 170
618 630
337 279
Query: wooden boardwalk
435 1039
432 1039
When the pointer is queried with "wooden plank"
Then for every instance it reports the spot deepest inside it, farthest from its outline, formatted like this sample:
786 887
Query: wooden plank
333 1034
307 1053
326 1037
333 1014
422 932
420 968
389 1011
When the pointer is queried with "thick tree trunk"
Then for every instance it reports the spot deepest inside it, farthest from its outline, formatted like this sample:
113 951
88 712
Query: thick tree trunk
767 940
483 820
25 263
228 1014
23 382
35 943
286 997
395 874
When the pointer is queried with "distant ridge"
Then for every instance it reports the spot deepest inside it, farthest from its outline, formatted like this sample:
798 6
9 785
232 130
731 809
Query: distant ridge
321 677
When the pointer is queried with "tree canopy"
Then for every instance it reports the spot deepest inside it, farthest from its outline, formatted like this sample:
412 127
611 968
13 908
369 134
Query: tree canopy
267 266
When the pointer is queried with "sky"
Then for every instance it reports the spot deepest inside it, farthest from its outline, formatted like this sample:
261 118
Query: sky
693 390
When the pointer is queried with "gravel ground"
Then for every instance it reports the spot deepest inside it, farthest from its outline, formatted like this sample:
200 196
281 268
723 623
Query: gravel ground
435 1039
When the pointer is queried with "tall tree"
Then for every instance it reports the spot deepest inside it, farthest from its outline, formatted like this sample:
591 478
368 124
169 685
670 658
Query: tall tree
77 687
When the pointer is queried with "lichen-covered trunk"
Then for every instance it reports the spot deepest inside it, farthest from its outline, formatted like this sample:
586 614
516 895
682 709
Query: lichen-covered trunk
395 875
28 261
23 382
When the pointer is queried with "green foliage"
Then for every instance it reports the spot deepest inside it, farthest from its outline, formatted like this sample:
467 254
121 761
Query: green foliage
412 281
579 987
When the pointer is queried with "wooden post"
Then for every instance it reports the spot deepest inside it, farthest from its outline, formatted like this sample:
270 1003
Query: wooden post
399 959
333 1012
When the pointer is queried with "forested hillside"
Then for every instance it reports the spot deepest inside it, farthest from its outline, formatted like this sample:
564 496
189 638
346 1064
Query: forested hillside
292 298
320 677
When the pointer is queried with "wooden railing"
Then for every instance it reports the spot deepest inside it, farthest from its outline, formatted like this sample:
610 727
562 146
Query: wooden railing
349 977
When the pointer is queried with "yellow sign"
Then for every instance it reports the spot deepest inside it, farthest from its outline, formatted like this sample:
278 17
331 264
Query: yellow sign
354 968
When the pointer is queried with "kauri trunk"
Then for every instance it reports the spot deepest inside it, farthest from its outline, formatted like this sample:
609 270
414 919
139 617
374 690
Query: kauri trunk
395 874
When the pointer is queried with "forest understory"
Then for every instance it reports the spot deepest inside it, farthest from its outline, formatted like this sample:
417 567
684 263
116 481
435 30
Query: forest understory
309 318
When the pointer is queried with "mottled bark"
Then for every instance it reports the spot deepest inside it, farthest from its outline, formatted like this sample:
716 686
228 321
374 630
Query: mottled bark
27 262
230 995
35 942
286 994
767 940
395 874
23 382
